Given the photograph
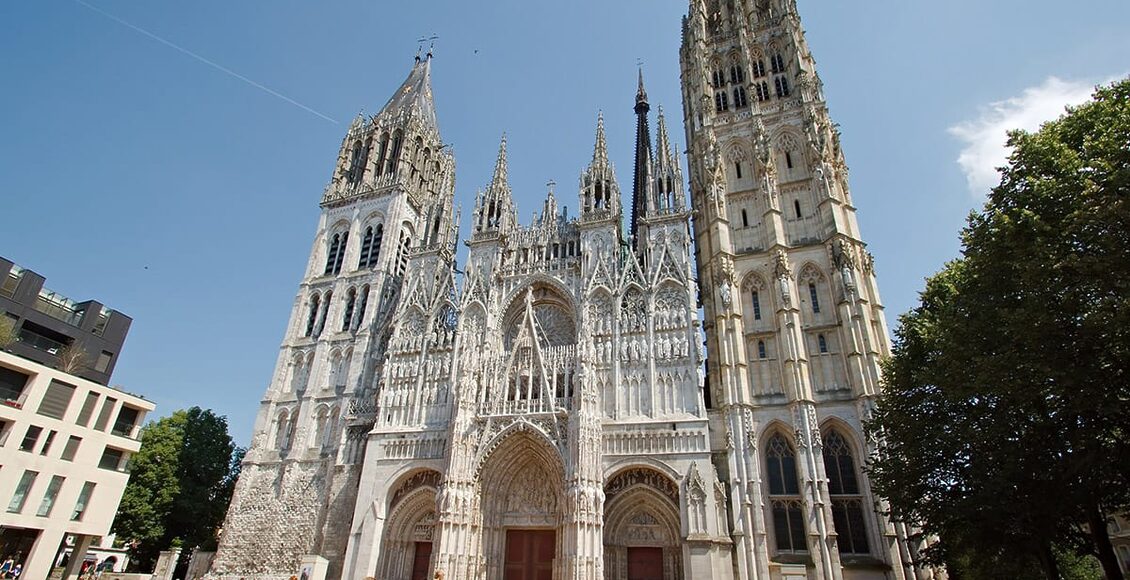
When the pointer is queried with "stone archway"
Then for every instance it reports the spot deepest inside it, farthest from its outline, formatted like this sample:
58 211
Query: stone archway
522 491
641 527
409 529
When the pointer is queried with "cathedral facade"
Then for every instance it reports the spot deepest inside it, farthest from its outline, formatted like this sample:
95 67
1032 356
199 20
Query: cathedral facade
552 411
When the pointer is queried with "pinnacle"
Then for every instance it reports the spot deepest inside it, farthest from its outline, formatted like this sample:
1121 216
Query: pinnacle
499 178
641 93
600 151
662 138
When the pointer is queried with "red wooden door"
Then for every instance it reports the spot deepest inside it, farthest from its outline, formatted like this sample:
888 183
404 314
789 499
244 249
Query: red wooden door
421 561
529 554
645 563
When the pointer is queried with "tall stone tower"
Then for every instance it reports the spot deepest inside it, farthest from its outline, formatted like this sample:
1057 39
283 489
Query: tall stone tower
795 328
391 191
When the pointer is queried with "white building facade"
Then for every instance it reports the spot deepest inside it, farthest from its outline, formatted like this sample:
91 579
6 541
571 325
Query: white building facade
553 414
65 443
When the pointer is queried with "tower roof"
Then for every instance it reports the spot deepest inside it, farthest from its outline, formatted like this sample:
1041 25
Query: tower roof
415 93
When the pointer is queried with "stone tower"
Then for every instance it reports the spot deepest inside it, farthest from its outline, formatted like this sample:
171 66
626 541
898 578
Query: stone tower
391 191
795 328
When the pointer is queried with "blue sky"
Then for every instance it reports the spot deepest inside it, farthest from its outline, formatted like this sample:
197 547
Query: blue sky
185 196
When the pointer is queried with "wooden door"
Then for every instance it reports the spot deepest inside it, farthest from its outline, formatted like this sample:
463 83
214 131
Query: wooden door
645 563
529 554
421 561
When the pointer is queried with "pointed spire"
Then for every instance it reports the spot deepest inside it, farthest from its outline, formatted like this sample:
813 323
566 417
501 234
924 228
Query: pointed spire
642 175
600 151
663 141
641 94
414 93
499 178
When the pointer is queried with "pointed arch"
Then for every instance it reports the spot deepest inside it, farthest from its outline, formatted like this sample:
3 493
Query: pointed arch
841 452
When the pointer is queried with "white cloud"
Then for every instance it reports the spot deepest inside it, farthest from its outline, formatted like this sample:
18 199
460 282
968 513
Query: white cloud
984 138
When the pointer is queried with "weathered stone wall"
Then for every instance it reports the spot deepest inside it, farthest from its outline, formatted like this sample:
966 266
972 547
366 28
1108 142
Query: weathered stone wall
273 519
338 517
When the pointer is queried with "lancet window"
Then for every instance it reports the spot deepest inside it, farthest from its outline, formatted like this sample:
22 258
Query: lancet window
784 495
847 501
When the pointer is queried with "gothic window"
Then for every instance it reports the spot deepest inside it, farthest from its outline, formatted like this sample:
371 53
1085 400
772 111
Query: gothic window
325 313
782 85
371 246
382 154
738 169
737 75
761 353
822 343
847 501
721 102
756 305
355 163
758 68
361 309
336 255
796 208
762 91
745 219
784 495
313 318
740 99
812 294
777 63
717 77
350 302
789 159
282 434
331 257
394 155
402 253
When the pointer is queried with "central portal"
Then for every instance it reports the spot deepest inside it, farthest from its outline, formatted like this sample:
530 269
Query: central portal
529 554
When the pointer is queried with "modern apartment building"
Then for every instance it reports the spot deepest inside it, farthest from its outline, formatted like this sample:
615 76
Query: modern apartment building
82 337
65 442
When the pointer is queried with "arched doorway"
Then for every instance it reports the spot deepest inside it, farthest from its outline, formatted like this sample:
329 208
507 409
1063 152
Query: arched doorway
641 526
406 550
522 503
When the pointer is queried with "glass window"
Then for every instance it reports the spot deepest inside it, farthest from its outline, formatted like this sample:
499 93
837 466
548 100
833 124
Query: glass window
756 305
822 343
19 498
104 414
12 385
49 496
83 501
30 438
87 409
111 459
847 501
761 353
47 442
71 448
127 420
103 363
784 495
812 294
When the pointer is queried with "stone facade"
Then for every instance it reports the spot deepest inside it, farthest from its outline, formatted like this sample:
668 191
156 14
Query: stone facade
553 413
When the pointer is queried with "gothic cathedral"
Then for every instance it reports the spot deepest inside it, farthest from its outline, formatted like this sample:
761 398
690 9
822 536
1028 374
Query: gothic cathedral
553 411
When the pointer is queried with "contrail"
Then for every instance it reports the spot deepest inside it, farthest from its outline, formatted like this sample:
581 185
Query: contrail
216 66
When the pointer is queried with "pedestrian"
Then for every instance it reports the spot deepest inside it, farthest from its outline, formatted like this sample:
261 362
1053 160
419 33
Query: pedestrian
17 571
6 567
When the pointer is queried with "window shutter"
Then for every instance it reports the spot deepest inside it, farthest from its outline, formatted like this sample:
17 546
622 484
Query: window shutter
56 400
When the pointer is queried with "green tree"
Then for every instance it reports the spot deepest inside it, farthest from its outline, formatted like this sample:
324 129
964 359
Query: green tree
1005 425
180 485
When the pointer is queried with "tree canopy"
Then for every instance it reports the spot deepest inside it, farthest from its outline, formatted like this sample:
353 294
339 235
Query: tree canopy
1005 428
181 481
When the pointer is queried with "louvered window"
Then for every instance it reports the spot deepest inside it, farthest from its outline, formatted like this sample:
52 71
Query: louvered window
56 400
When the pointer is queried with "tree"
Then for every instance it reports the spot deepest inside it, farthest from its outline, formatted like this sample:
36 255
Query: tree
8 334
1005 428
72 358
180 485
